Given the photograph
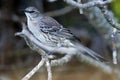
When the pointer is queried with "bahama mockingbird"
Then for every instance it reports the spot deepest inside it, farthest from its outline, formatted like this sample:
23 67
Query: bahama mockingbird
50 33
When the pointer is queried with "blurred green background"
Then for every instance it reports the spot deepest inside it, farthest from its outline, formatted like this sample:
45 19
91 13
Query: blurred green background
116 8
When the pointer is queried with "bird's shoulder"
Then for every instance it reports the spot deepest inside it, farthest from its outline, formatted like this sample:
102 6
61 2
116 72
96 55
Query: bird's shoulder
49 21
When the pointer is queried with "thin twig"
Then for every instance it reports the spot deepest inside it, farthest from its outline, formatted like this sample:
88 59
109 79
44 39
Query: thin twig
80 10
34 70
108 17
114 45
49 69
88 4
62 60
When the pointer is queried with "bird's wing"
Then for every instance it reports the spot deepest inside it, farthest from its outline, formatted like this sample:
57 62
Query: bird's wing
52 27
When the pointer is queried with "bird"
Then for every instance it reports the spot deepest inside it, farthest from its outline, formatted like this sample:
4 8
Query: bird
51 33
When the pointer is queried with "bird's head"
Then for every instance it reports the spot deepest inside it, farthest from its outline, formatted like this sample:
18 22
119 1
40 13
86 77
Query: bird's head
31 12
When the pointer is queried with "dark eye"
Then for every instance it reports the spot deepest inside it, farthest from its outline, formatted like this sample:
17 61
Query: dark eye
31 11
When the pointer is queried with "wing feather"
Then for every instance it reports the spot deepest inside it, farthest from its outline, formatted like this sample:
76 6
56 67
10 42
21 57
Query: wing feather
52 27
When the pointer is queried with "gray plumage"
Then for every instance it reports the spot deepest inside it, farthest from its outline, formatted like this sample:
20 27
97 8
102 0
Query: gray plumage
49 32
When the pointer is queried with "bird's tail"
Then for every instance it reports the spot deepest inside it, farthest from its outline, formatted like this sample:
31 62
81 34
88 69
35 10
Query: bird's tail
89 52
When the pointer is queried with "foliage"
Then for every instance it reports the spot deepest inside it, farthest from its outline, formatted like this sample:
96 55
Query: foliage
116 8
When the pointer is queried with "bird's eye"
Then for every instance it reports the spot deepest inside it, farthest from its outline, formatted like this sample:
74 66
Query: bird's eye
31 11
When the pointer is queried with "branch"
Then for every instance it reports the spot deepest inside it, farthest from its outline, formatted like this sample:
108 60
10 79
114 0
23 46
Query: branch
61 61
88 4
48 65
78 5
108 17
34 70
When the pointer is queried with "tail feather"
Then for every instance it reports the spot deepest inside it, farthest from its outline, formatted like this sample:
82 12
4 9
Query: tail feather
89 52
